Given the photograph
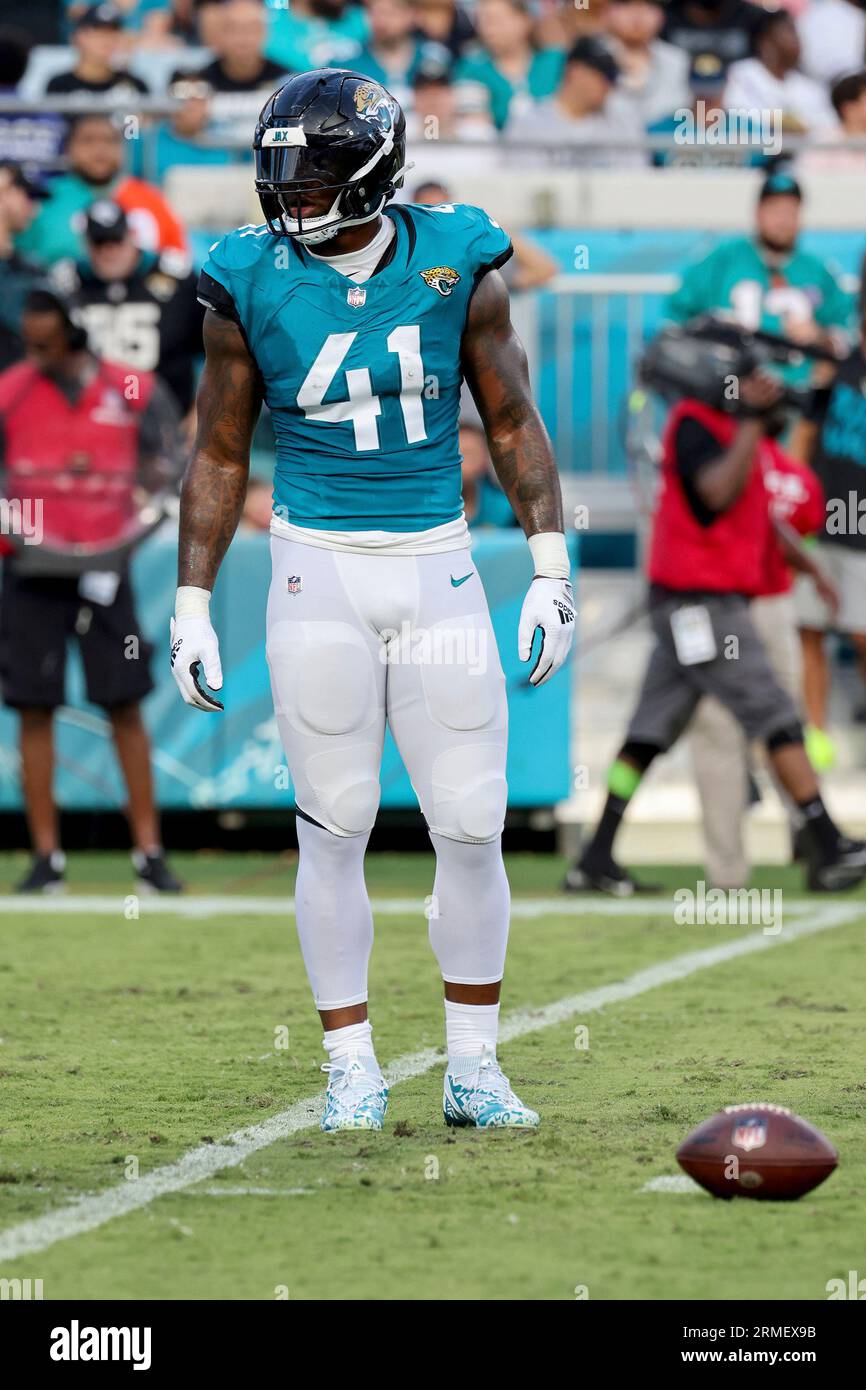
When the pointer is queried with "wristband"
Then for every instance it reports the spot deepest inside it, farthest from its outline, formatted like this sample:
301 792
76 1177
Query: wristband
191 602
550 555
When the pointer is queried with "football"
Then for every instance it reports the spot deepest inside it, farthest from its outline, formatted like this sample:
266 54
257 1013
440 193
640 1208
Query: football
757 1150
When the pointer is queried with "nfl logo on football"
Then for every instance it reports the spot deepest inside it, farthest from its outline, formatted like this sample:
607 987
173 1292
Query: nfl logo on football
356 297
294 583
750 1134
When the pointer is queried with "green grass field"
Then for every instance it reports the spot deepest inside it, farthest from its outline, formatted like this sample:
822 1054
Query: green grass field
128 1043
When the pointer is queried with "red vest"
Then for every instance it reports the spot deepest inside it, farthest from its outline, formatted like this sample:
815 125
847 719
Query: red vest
80 460
729 555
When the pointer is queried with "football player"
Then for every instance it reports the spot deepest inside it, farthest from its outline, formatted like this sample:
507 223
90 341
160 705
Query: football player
356 322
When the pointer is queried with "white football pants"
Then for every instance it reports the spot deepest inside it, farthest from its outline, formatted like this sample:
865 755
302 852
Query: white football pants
353 641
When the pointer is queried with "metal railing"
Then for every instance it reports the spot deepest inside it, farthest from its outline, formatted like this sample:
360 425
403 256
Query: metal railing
583 334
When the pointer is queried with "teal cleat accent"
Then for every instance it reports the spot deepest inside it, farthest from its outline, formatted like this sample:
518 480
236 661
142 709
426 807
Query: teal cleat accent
483 1097
357 1096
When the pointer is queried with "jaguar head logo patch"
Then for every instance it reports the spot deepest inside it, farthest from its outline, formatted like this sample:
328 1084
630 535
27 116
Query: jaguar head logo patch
441 278
374 104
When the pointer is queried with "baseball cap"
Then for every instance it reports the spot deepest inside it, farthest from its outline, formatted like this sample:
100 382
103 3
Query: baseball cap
434 65
780 181
18 178
707 72
104 16
592 53
106 221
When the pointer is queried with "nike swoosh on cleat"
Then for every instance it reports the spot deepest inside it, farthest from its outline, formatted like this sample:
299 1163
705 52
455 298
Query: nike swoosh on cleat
455 583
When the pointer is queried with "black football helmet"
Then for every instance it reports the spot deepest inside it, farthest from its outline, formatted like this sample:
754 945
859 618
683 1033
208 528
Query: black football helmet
334 132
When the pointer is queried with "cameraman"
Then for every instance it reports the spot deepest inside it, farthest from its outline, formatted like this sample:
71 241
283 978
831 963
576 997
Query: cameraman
75 446
711 532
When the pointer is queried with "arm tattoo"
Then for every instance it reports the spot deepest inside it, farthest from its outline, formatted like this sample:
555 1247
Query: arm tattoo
215 483
494 365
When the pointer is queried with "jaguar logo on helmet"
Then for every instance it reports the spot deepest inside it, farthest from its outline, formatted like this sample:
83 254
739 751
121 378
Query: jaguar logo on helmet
441 278
373 103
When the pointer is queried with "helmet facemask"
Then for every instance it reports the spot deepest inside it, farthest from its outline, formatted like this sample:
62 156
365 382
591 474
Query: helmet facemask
291 173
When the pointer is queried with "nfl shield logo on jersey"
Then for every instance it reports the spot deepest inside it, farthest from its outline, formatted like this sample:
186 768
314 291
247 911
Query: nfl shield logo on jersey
356 297
750 1133
294 583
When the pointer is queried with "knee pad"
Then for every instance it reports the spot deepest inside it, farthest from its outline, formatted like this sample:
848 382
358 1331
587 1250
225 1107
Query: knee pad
323 676
346 791
470 793
464 686
782 738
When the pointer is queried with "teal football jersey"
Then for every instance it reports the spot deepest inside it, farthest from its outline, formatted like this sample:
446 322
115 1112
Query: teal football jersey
363 381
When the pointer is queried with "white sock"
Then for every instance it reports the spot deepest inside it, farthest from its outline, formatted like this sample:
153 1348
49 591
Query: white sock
355 1037
469 1029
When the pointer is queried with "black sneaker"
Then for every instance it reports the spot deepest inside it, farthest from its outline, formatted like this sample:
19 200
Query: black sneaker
610 878
153 874
47 874
845 868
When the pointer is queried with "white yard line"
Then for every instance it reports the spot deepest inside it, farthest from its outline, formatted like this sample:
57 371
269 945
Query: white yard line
680 1183
89 1212
190 905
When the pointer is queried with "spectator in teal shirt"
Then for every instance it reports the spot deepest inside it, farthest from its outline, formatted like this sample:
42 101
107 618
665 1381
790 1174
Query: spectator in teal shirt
308 33
514 72
178 140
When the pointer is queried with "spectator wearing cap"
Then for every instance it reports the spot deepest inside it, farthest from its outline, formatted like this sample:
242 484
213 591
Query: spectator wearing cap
308 33
848 96
771 79
701 114
95 154
101 49
443 112
135 311
766 280
394 51
34 138
654 74
506 63
584 112
722 28
19 199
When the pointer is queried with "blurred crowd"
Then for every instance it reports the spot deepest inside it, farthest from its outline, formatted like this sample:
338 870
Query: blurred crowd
594 76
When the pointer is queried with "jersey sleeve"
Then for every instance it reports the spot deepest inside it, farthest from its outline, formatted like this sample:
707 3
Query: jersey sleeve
489 245
216 272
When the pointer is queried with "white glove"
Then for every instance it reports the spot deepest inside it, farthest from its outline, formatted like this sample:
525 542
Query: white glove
549 604
194 646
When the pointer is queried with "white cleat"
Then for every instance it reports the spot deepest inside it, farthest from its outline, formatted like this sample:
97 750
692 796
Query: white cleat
483 1097
357 1096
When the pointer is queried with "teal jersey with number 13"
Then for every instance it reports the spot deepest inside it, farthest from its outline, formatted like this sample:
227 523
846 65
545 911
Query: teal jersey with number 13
363 381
